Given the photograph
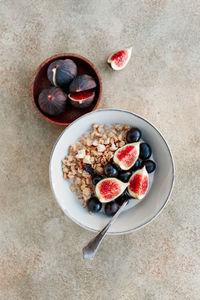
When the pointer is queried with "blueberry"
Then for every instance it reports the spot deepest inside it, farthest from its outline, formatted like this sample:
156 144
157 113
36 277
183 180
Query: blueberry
96 178
94 205
123 197
88 168
145 151
133 135
110 171
111 208
124 176
149 164
136 166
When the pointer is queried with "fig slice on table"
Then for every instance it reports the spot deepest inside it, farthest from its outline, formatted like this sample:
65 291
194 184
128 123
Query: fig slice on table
81 99
119 59
126 156
109 189
138 184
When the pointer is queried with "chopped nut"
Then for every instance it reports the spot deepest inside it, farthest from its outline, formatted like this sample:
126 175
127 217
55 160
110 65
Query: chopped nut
88 180
101 148
99 170
84 204
87 160
121 144
126 127
80 154
97 134
89 142
110 134
120 137
115 138
118 127
100 128
70 175
95 143
83 186
113 147
77 180
73 187
85 174
95 126
107 141
65 176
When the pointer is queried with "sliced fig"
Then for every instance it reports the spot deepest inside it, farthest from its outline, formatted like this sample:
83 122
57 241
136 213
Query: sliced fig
119 59
127 155
138 184
109 189
81 99
82 83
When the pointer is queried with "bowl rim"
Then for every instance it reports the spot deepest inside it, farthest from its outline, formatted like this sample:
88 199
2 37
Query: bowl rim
57 56
166 200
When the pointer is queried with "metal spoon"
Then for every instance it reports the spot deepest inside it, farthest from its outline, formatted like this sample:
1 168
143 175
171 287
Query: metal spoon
91 248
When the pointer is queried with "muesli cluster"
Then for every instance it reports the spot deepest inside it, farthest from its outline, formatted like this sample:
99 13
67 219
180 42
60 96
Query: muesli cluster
96 148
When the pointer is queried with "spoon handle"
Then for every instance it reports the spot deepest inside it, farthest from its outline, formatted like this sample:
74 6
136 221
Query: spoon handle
90 249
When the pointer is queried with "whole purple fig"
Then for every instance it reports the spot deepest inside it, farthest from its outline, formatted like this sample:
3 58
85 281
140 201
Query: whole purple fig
52 101
62 72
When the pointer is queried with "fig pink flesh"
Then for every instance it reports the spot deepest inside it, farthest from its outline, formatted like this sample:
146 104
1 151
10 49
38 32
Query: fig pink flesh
81 95
119 57
109 189
127 155
139 184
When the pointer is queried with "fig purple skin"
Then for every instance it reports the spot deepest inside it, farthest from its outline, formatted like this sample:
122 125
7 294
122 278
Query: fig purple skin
82 83
54 65
82 99
52 101
65 73
62 72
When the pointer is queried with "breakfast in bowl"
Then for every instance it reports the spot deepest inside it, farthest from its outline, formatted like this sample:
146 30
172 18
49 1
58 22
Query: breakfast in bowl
92 140
109 165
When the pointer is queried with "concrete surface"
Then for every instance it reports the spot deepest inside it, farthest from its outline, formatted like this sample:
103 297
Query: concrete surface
40 248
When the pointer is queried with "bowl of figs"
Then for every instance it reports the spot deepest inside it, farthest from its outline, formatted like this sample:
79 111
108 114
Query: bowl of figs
65 87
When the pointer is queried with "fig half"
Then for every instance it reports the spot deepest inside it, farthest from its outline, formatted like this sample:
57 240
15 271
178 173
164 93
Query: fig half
138 184
126 156
119 59
82 99
109 189
82 83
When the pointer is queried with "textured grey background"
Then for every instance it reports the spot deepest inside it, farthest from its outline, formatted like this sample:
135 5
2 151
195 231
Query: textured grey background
40 248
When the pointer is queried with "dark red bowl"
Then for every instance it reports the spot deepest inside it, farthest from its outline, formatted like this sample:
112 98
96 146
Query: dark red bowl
40 82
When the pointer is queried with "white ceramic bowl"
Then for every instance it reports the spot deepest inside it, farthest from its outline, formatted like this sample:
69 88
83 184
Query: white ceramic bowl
137 214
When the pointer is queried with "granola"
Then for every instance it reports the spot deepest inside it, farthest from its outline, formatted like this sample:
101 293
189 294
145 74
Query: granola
96 148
